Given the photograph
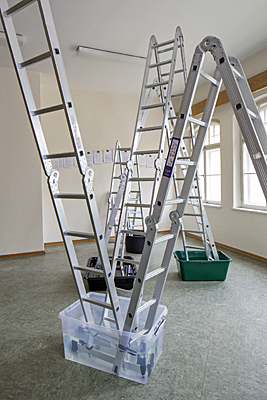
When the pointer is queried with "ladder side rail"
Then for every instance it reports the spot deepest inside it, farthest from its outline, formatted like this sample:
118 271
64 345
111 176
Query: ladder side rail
25 88
249 133
140 193
117 146
68 242
63 86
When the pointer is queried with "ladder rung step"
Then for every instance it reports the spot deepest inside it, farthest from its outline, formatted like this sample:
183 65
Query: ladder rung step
236 72
193 197
191 231
125 149
184 162
58 155
164 238
34 60
127 260
174 201
191 215
195 247
120 163
124 291
109 319
156 46
140 152
47 110
141 179
165 50
179 179
150 128
89 269
252 114
197 122
189 137
209 78
133 232
98 302
159 64
145 306
18 7
69 196
154 273
153 85
80 234
174 96
138 205
153 106
170 118
177 71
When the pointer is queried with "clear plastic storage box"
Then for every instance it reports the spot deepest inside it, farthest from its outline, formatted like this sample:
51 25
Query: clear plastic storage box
97 346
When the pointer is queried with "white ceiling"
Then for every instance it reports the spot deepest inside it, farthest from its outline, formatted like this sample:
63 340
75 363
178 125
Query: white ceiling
126 25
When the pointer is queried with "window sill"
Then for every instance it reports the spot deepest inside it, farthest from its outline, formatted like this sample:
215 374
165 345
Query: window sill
251 210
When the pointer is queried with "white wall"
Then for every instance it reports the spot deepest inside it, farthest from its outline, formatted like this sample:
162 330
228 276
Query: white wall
21 191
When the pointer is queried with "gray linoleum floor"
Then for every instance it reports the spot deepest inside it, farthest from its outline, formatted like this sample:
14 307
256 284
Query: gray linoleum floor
215 336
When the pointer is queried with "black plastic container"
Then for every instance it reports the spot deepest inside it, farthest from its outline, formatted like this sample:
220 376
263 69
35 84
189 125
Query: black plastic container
96 283
135 243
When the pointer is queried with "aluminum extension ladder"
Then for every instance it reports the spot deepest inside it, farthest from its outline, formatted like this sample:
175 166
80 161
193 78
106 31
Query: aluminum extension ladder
66 106
230 72
161 59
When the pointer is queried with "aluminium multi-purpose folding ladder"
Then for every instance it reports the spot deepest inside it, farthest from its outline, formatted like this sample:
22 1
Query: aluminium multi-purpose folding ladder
66 106
230 72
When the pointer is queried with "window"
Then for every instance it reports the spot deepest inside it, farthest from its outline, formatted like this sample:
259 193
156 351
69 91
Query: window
252 194
209 171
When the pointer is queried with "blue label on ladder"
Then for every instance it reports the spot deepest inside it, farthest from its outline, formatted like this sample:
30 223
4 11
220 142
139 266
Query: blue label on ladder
171 157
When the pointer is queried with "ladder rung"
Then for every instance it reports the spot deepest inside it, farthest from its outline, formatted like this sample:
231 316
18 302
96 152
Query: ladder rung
154 273
164 238
34 60
150 128
109 319
195 247
236 72
126 260
209 78
153 106
184 162
89 269
252 114
165 50
174 201
140 152
124 291
177 71
138 205
98 302
160 64
47 110
197 122
79 234
18 7
156 46
173 96
191 231
141 179
145 306
133 232
153 85
125 149
58 155
120 163
69 196
191 215
179 179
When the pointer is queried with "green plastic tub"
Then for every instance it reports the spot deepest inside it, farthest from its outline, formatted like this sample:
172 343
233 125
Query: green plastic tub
199 268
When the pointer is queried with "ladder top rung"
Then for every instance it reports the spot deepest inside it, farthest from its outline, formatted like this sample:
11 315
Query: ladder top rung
156 46
79 234
34 60
58 155
17 7
47 110
153 106
209 78
159 64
